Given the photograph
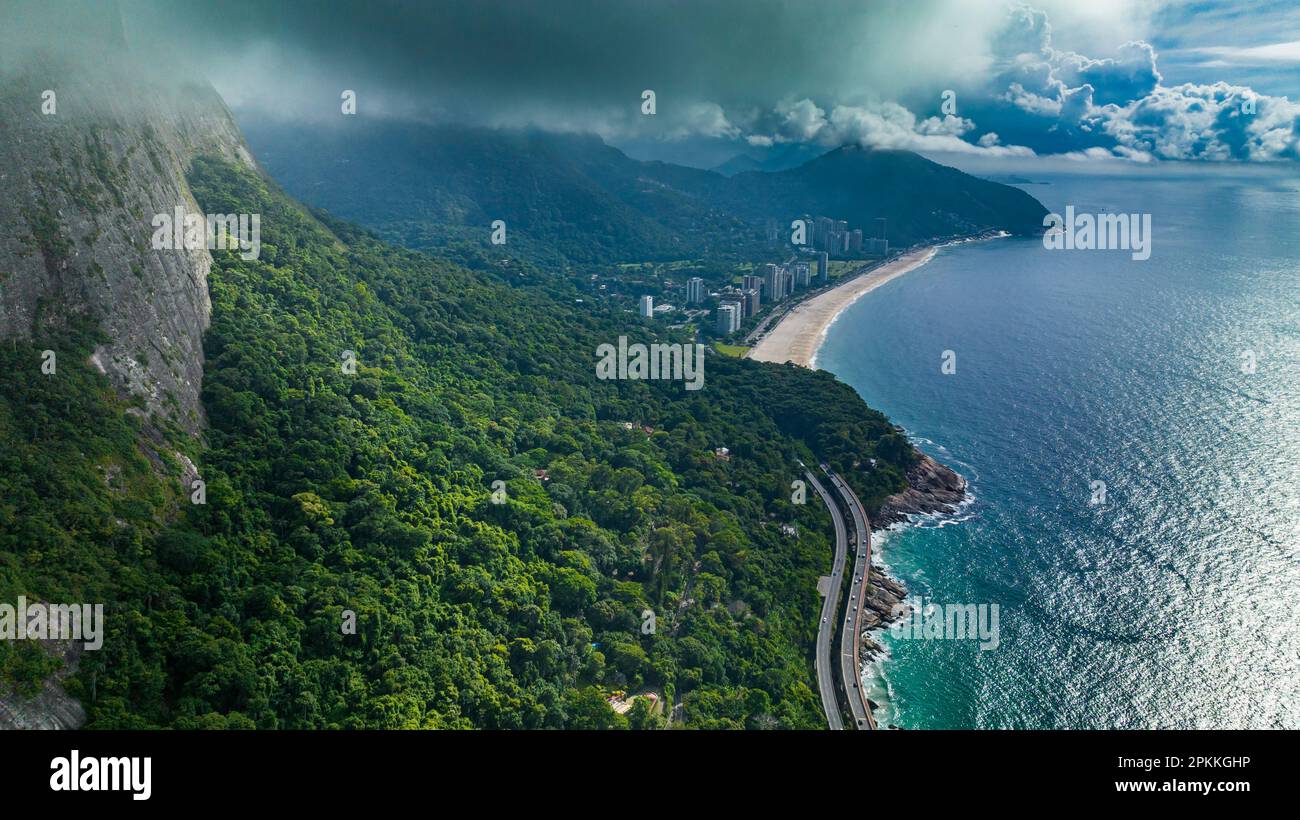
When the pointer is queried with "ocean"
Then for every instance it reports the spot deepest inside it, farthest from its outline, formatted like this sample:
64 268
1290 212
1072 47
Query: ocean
1130 431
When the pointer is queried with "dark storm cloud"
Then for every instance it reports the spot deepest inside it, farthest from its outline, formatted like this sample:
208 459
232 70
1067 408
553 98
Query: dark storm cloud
1056 77
566 63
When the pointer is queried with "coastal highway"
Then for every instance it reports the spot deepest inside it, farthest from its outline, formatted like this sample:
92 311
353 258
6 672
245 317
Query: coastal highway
850 643
826 629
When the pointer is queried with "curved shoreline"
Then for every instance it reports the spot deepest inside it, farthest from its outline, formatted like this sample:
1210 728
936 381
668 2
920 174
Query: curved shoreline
932 487
797 336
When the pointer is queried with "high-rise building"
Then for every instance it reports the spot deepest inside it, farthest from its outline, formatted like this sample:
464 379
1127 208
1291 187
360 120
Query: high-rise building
823 267
786 286
728 318
821 227
648 307
731 296
770 289
751 301
752 281
694 290
855 241
801 276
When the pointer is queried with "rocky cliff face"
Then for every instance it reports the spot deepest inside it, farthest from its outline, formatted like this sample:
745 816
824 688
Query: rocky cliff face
92 147
83 172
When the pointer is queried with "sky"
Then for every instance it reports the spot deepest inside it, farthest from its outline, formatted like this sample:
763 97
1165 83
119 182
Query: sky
1138 81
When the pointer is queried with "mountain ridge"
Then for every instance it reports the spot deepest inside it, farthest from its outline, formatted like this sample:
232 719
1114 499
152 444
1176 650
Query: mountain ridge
595 204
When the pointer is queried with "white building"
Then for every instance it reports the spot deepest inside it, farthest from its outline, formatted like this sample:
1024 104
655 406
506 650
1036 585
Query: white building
694 290
647 307
728 318
785 281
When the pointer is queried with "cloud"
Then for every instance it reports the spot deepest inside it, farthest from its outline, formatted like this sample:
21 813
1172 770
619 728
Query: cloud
1117 80
1116 106
1207 122
1054 77
1271 54
567 61
801 121
1025 37
890 125
1037 98
704 119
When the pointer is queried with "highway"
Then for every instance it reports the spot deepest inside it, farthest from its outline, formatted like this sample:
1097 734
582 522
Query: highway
850 643
826 629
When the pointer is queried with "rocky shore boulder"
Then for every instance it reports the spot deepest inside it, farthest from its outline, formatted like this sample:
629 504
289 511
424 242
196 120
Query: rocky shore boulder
932 488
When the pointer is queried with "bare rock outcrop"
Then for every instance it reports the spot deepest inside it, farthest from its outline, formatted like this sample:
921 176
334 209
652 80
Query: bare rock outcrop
884 604
93 145
50 707
932 488
95 142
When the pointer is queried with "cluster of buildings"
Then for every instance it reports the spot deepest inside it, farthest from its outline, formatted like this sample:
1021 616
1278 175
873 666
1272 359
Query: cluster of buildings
833 236
768 284
771 283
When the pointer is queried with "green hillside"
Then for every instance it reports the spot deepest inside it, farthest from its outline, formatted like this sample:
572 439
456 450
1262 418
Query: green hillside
372 493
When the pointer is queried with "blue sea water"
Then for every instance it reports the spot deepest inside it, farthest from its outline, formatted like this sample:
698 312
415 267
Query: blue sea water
1176 602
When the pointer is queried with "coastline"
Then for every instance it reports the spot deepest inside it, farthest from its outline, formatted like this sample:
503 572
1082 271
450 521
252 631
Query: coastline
933 488
798 334
797 337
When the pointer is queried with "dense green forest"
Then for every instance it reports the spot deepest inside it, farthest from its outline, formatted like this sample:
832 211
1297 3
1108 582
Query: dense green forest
372 492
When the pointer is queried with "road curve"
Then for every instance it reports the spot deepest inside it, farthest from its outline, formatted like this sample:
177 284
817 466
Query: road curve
826 629
851 642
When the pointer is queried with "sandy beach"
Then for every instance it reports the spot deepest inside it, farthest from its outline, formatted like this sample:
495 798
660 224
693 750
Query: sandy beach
799 333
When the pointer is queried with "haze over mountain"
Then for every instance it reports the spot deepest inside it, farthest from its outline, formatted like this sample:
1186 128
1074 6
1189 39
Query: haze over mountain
1109 82
595 204
771 158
